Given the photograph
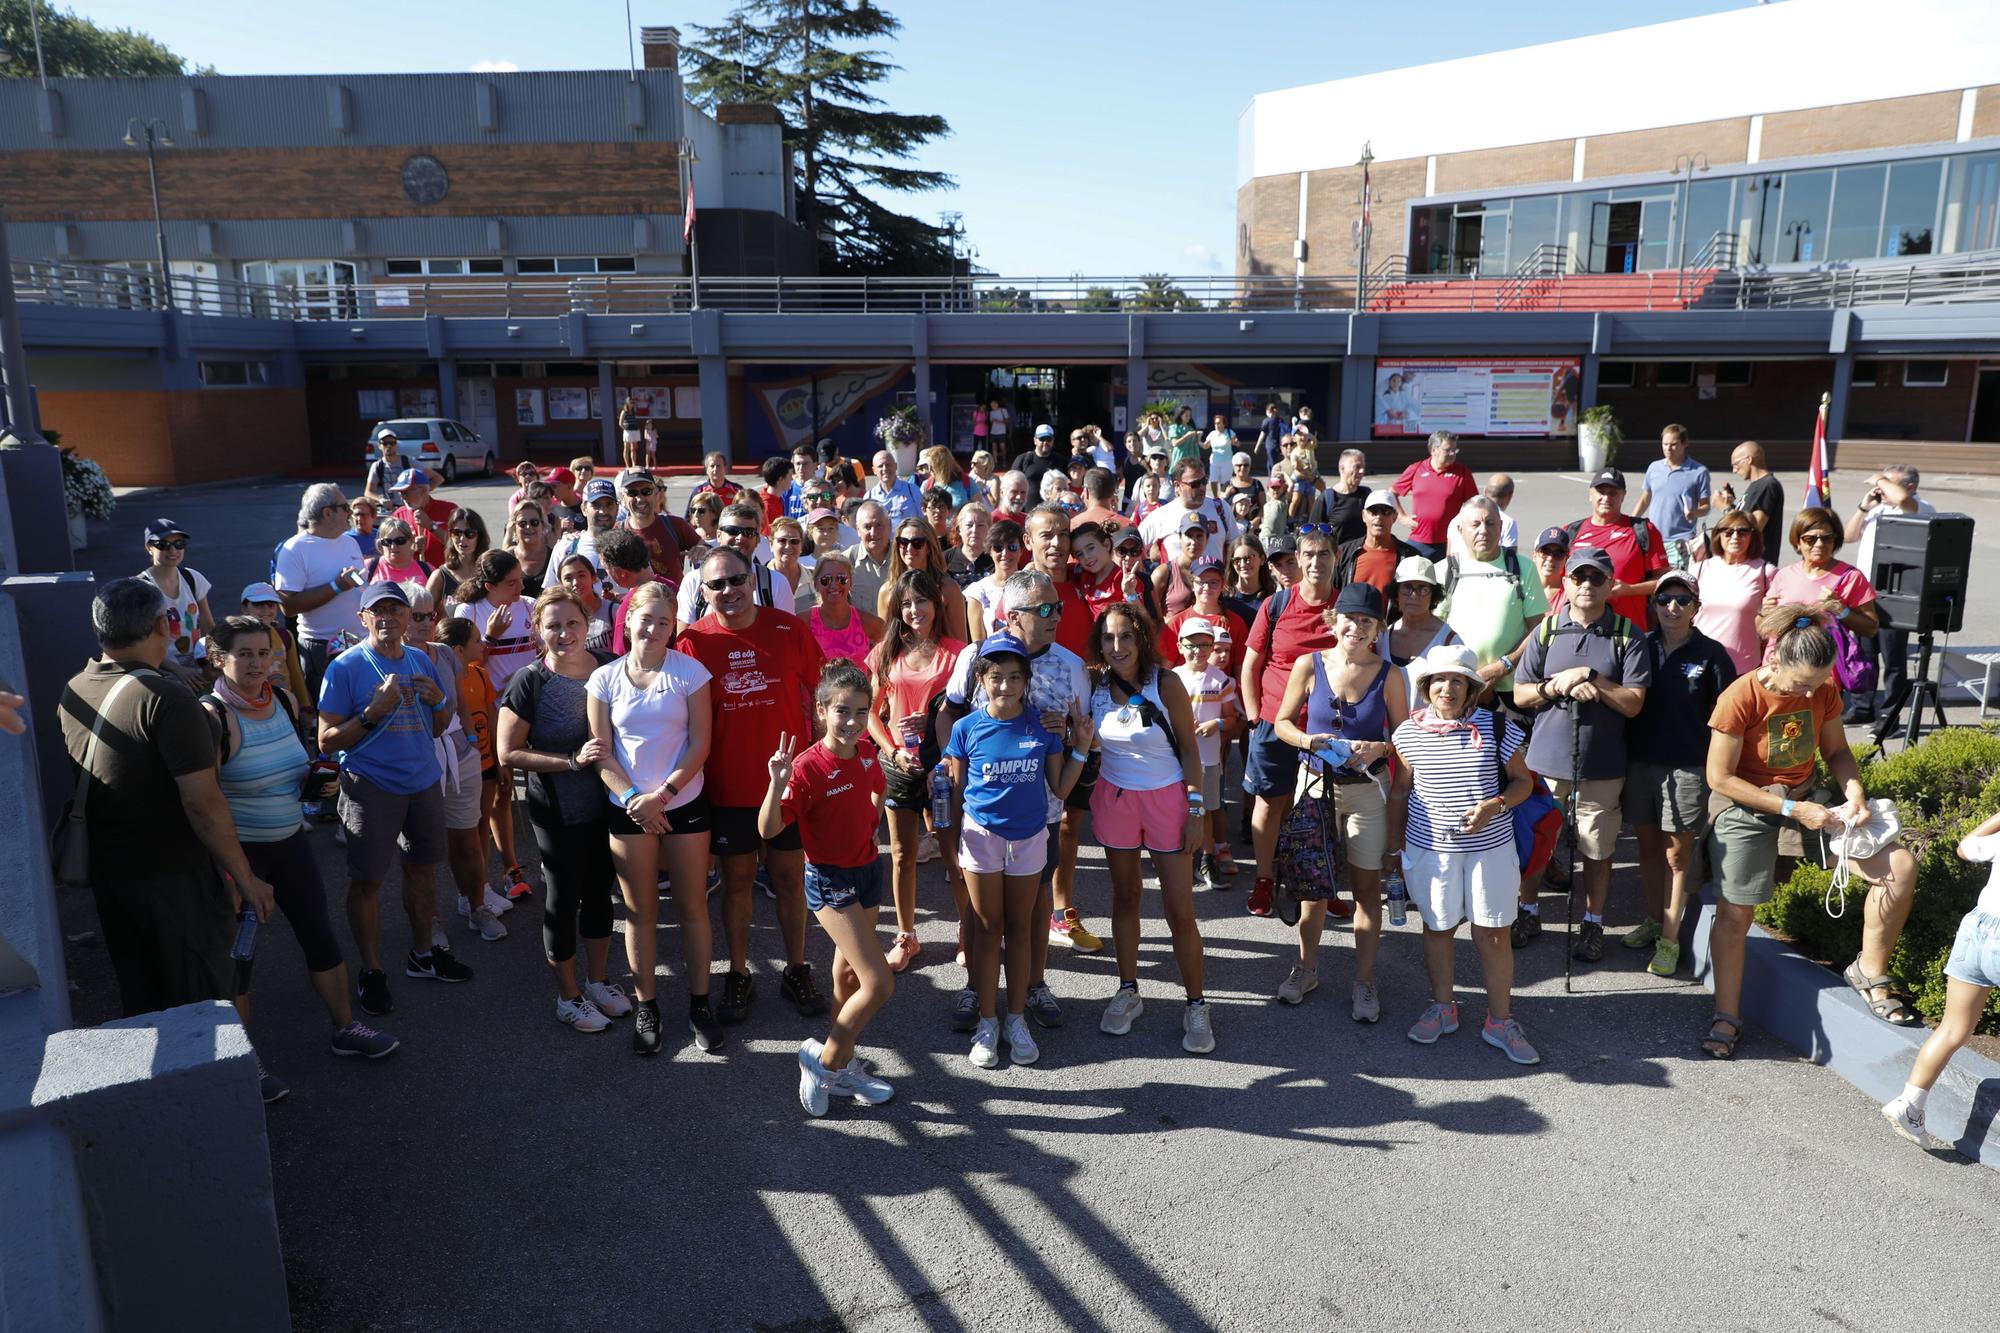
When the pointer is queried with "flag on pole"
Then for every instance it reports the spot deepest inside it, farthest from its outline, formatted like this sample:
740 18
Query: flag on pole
1818 493
687 214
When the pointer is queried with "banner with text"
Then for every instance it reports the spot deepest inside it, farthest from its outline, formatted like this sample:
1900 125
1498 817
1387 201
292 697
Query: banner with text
1477 396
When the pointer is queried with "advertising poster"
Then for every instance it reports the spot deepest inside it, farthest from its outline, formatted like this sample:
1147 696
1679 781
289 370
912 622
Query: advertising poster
569 405
798 408
1477 396
417 402
687 402
528 407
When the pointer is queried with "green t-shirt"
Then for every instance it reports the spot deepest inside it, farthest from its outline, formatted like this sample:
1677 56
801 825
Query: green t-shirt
1489 607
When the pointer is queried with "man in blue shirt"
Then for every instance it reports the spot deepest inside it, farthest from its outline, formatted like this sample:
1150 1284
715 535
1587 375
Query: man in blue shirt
380 706
1675 494
894 494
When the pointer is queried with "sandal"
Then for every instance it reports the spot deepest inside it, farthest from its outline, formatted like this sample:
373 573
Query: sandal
1890 1008
1718 1045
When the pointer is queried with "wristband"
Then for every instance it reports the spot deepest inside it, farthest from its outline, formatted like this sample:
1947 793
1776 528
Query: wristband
627 796
1841 614
1785 810
670 789
1081 756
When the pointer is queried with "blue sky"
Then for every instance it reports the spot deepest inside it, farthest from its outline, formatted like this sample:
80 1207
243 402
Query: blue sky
1091 136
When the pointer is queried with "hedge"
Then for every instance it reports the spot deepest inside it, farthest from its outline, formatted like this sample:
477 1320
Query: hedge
1944 787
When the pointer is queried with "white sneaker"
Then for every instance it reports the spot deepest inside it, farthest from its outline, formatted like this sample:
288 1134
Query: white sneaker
1298 983
1367 1006
986 1044
497 903
813 1080
1909 1123
1125 1006
581 1014
488 925
862 1086
927 848
1021 1046
610 999
1197 1029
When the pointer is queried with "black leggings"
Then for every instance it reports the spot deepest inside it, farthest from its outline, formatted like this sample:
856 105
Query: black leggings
288 867
576 863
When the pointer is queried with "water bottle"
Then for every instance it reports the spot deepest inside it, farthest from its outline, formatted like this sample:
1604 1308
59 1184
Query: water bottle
940 788
246 936
1399 898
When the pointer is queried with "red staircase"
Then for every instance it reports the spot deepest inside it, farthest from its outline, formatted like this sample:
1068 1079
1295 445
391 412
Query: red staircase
1664 289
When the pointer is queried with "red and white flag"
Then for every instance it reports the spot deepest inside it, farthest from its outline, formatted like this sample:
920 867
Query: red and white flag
687 214
1818 493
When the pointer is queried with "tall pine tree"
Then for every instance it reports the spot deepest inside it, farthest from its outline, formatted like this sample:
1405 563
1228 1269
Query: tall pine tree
809 59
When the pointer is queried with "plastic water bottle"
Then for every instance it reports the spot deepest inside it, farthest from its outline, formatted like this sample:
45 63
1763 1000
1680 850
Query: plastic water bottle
940 789
245 947
1399 898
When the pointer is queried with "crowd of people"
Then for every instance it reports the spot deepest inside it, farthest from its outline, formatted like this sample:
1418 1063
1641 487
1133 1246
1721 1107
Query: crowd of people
988 661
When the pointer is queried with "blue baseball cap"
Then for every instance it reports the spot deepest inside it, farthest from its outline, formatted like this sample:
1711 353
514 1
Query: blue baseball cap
162 528
411 476
1557 537
993 645
599 488
1045 431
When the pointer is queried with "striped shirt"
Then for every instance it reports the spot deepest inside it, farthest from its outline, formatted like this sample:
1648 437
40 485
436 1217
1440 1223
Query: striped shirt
261 778
1209 692
1450 775
513 649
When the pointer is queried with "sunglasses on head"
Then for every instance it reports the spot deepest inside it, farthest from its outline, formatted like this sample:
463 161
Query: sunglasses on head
1327 528
726 581
171 544
1673 599
731 531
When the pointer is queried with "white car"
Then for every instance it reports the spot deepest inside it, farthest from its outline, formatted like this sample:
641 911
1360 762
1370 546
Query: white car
438 445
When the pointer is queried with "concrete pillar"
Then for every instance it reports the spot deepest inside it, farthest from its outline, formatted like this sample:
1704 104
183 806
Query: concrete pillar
715 431
610 447
921 369
448 388
1836 407
1136 372
1591 363
1357 396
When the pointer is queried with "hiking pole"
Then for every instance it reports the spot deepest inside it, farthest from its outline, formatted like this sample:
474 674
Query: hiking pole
1569 821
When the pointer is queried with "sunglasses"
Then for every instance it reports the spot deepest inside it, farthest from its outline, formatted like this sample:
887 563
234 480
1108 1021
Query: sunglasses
423 616
1815 538
1729 534
1327 528
171 544
726 581
1586 576
1673 599
533 525
833 580
464 532
730 531
1130 548
1007 548
392 541
912 543
641 493
1040 610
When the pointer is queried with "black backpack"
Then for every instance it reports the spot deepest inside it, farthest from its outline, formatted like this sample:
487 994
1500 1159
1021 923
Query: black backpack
218 725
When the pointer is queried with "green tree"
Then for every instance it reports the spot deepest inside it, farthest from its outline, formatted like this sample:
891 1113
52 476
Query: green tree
809 58
76 47
1157 292
1099 298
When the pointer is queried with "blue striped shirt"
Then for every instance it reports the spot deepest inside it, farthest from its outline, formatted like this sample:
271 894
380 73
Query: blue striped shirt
1450 775
262 776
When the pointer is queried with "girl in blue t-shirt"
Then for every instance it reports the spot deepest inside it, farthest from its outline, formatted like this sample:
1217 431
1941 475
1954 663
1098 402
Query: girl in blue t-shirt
1004 763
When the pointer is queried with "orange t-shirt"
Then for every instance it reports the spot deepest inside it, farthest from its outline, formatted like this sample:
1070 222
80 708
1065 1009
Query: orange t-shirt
1780 732
478 699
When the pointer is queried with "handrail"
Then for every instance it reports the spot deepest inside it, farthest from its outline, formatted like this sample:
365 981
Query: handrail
1547 260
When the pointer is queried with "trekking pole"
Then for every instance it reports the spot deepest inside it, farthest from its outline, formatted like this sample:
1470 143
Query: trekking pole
1569 820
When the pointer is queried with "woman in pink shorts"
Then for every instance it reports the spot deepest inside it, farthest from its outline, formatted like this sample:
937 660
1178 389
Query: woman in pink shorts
1148 797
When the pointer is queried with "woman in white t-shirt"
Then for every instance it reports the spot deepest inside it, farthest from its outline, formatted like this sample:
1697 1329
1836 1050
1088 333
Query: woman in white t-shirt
1006 543
650 709
491 599
188 618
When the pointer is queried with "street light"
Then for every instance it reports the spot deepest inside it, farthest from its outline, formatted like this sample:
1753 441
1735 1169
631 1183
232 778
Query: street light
155 137
1685 166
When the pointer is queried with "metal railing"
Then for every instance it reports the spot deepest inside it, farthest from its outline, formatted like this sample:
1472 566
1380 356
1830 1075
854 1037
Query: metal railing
1544 263
1971 277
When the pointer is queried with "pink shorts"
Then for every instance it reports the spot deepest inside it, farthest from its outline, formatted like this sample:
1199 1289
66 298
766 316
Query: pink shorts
986 853
1125 821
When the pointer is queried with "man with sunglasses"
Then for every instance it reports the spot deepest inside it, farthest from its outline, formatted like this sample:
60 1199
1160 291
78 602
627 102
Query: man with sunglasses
1162 526
738 532
1589 668
668 539
1375 555
428 517
765 667
1637 552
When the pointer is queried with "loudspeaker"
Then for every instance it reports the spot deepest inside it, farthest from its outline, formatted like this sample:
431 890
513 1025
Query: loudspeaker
1921 564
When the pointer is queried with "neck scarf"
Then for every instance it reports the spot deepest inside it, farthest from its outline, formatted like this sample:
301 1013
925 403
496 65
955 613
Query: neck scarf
241 703
1439 726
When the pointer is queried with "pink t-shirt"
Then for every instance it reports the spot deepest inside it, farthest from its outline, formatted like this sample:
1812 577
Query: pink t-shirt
1840 579
1732 597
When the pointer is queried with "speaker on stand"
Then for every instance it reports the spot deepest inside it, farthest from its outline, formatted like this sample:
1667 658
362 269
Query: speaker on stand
1922 562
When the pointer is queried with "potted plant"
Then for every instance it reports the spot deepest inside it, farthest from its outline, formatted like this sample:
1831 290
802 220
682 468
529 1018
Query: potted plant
902 434
1597 438
86 493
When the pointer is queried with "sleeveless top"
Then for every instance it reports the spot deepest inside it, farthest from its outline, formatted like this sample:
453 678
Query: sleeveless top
1445 634
1134 750
1180 593
1327 713
850 643
261 778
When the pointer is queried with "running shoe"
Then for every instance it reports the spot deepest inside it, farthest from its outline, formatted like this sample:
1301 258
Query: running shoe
814 1080
439 965
497 903
371 992
1642 936
1125 1006
708 1034
738 989
1298 983
965 1011
1666 958
927 850
1078 934
517 883
856 1061
581 1014
1021 1046
610 998
1909 1122
487 924
1340 908
1197 1028
1437 1020
1367 1005
797 987
1043 1007
904 950
1526 930
362 1040
646 1027
1059 925
764 884
1203 880
1507 1035
1262 894
1589 943
270 1086
1223 861
856 1082
985 1051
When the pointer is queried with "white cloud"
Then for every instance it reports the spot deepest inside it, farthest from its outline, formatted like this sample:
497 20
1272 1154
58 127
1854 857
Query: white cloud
1202 259
496 67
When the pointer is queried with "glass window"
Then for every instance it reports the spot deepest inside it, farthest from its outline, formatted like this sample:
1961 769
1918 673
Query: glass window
449 431
1971 203
1857 213
1616 374
1732 372
1909 215
1710 212
1926 374
1864 375
404 268
576 266
446 267
1798 224
486 266
617 264
1674 374
1758 210
534 266
1575 226
1535 222
235 374
1430 238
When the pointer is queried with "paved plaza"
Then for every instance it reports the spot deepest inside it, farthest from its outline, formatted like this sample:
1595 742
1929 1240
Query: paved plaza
503 1172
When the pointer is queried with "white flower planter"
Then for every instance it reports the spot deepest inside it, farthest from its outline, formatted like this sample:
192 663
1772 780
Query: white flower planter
1593 446
79 533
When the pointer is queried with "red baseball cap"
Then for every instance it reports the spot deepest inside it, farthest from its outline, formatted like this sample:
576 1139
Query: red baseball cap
559 476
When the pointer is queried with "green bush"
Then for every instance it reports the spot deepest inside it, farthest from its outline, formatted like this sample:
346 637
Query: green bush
1943 788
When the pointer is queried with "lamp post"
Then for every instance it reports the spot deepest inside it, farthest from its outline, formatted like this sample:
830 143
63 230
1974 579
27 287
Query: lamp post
1364 228
1685 166
688 157
153 133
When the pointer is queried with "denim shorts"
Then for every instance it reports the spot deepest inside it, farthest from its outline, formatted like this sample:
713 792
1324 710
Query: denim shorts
1975 954
1272 767
841 887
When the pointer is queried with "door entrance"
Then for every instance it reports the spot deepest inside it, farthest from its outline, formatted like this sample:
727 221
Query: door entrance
1614 236
1986 407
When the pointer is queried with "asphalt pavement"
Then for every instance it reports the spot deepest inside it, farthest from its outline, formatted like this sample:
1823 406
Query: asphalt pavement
501 1171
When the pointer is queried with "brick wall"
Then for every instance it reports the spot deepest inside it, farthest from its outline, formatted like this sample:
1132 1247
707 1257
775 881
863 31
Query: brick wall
1274 222
1986 112
182 437
198 184
1888 123
1333 202
1889 411
1518 164
1655 150
127 432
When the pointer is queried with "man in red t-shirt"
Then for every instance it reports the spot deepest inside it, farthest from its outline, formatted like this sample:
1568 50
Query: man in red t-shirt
764 667
1048 551
1271 772
1638 553
667 539
1437 486
428 518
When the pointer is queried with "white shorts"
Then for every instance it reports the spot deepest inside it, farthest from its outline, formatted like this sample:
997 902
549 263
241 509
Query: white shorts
461 803
985 853
1219 468
1449 887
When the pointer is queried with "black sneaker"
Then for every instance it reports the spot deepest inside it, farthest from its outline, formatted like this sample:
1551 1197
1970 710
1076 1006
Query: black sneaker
708 1033
737 990
438 965
965 1011
646 1027
371 992
798 987
1526 930
1204 875
1589 943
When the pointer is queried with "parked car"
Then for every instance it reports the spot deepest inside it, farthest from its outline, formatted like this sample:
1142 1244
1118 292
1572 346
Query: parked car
437 444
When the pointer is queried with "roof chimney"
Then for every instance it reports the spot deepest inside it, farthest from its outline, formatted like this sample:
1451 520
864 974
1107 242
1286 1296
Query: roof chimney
662 47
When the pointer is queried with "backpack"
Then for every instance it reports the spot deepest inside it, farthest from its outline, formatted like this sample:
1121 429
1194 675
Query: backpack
1538 821
211 704
1622 631
1272 610
761 594
1311 855
1512 560
1641 533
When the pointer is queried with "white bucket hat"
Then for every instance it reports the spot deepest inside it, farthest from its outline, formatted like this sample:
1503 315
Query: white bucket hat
1446 659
